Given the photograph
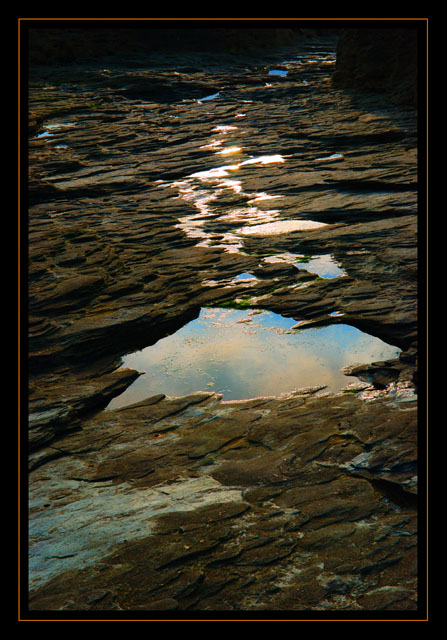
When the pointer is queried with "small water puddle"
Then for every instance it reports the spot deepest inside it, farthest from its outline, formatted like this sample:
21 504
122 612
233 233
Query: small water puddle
334 156
211 97
244 277
278 72
229 151
224 128
49 128
323 265
45 134
278 227
249 353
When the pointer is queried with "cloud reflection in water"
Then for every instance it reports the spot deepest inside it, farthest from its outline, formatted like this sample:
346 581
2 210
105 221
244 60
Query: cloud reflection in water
245 354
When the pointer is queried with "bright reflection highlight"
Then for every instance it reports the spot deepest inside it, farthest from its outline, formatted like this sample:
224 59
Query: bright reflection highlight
280 226
212 144
203 188
229 151
217 172
263 196
263 160
223 128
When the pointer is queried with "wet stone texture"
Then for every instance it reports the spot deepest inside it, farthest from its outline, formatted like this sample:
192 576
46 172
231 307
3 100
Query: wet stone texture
296 503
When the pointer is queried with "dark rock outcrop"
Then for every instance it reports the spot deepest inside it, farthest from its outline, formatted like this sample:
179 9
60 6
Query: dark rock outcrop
384 60
292 504
68 45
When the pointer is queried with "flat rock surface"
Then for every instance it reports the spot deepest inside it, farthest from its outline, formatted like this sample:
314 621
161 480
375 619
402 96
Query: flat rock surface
150 182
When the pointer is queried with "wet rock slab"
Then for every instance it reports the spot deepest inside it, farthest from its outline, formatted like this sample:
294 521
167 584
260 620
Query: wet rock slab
296 503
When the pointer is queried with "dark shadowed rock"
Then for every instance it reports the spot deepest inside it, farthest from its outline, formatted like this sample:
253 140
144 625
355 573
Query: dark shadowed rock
67 45
384 60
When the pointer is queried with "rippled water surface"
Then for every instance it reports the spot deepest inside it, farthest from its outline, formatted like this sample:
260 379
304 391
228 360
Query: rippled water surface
249 353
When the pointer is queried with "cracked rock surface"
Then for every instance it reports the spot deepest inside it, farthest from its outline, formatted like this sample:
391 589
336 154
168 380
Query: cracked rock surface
151 180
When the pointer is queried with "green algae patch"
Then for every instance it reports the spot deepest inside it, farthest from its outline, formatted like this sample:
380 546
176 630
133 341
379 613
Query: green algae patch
237 303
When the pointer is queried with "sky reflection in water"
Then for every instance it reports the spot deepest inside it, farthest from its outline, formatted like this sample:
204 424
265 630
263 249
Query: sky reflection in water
248 353
323 265
278 72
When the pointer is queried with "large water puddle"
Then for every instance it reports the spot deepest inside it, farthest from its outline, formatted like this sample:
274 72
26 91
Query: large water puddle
249 353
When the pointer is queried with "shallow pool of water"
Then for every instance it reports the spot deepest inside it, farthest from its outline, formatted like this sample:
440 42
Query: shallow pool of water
211 97
323 265
48 128
278 72
249 353
279 227
334 156
243 277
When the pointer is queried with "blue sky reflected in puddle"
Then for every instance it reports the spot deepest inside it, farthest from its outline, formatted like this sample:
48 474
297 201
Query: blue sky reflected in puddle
211 97
54 125
323 265
249 353
334 156
244 276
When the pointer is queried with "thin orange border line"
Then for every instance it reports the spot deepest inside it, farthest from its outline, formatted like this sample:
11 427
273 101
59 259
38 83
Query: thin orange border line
18 324
227 620
427 283
221 19
426 330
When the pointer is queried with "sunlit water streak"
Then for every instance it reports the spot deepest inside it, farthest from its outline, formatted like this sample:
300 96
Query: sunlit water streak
229 151
249 353
226 226
202 188
278 227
